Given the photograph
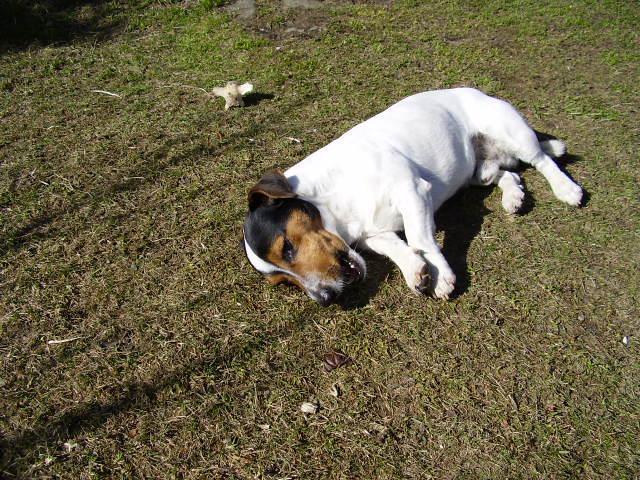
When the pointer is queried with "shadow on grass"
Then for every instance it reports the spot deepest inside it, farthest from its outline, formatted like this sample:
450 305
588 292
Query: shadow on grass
359 295
89 416
24 22
140 175
256 97
460 218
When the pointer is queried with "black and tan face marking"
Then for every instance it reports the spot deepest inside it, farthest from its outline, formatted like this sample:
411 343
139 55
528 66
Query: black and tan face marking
286 241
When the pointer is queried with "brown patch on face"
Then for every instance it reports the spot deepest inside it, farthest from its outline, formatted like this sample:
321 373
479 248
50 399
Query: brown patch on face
315 250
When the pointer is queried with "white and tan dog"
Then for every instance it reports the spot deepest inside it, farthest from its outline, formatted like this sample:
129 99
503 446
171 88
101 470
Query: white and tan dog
389 174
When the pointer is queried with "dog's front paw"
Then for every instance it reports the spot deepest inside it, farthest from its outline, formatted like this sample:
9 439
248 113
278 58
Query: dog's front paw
512 199
445 283
568 192
422 280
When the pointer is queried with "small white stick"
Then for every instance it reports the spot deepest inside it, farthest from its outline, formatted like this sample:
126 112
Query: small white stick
107 93
66 340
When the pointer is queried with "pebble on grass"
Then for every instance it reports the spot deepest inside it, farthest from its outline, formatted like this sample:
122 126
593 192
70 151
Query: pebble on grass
335 391
308 407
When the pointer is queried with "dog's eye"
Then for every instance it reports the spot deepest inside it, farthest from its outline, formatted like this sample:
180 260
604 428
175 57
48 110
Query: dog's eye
287 251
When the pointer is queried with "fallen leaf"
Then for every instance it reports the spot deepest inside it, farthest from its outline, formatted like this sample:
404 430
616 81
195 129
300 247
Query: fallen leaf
335 359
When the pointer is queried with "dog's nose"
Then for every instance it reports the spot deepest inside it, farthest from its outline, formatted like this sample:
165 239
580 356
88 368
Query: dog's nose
326 296
349 269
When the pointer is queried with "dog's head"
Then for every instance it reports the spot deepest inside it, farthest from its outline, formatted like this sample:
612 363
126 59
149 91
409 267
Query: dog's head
285 240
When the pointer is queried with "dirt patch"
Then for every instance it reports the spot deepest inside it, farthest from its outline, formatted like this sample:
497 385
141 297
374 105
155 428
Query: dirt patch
244 9
290 18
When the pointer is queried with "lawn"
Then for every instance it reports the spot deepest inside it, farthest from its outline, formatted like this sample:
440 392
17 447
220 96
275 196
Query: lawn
137 342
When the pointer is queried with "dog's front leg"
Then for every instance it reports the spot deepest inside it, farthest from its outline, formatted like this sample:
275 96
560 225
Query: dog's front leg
413 267
416 207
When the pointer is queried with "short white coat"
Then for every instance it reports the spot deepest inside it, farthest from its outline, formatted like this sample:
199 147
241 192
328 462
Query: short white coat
393 171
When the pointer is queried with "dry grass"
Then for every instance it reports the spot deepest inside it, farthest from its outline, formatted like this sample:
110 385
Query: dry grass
120 226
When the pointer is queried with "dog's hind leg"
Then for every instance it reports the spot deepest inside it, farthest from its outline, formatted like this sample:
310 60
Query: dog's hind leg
512 192
563 187
509 183
504 125
490 158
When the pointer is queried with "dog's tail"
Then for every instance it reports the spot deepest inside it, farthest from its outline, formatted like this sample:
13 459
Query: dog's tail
550 144
553 147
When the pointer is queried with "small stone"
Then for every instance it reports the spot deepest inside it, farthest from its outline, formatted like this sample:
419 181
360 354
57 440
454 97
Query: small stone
626 340
69 446
335 391
308 407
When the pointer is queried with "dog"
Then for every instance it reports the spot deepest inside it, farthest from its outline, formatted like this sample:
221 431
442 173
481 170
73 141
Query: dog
386 175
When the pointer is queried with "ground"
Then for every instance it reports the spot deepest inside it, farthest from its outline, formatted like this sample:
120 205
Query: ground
120 230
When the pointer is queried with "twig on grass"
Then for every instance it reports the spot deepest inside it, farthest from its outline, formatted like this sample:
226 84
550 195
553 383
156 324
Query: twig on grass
104 92
65 340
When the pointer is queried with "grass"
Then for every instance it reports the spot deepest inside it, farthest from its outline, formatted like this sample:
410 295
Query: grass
120 221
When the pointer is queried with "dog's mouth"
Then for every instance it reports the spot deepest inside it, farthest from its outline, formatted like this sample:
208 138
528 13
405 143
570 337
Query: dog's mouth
351 270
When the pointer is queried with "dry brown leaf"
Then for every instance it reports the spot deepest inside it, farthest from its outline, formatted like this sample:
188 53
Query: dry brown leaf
335 359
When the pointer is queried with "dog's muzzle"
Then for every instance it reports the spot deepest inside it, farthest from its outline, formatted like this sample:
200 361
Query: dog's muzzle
352 270
325 296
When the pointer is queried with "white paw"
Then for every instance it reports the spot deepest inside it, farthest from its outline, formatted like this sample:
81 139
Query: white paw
421 280
445 282
512 199
416 273
568 192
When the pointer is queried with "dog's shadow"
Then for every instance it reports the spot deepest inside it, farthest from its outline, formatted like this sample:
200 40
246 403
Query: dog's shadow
379 268
460 218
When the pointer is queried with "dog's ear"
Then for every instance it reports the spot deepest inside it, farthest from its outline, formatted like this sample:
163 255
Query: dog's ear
272 186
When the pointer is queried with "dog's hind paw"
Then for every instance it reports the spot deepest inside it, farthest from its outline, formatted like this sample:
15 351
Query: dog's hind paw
568 192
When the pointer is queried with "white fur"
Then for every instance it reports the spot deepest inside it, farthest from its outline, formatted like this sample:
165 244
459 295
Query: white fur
393 171
555 148
260 264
